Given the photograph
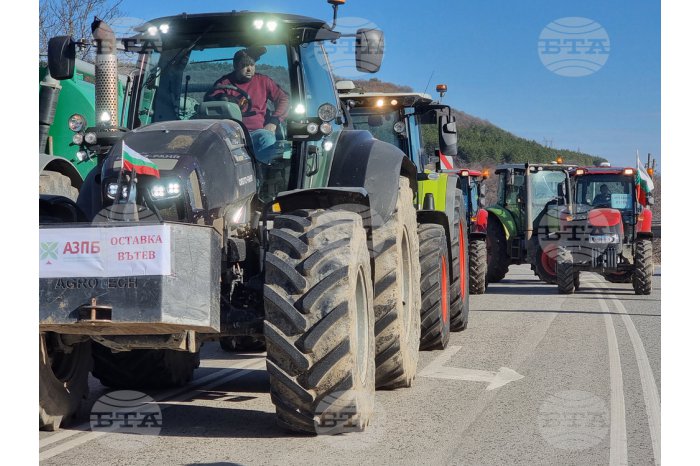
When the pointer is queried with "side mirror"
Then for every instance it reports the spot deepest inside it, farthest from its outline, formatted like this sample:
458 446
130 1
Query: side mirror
369 50
447 135
61 57
561 190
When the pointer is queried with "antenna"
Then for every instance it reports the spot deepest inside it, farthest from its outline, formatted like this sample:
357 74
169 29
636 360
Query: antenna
429 79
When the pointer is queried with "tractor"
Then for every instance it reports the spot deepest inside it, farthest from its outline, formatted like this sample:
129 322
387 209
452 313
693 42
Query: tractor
184 233
403 119
474 192
524 216
607 229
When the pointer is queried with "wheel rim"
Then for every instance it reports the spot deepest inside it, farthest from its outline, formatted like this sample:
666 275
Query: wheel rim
462 264
362 330
406 275
443 288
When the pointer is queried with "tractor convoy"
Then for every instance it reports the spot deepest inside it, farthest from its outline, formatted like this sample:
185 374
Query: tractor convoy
178 206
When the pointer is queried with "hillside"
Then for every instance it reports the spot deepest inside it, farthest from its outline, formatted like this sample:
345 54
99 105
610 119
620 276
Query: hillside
482 143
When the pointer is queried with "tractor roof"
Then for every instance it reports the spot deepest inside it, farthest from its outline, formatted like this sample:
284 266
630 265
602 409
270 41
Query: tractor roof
603 170
186 24
545 166
405 99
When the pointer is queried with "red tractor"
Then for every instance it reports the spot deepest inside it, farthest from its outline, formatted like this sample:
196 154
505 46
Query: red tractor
607 228
474 192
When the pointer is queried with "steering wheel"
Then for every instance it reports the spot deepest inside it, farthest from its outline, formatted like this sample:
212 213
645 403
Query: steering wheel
244 101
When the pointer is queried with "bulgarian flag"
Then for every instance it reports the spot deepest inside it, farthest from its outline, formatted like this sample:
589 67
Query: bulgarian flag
643 179
133 161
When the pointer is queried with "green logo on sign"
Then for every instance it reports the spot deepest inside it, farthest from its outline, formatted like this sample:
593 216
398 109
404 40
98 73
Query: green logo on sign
48 250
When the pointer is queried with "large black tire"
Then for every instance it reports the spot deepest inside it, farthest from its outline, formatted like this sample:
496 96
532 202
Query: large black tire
63 380
143 368
397 294
434 287
478 263
577 280
459 308
546 264
51 182
496 250
319 321
619 277
566 277
643 267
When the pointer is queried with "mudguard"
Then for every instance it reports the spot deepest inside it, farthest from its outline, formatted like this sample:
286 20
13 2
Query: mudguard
506 219
360 161
442 188
62 166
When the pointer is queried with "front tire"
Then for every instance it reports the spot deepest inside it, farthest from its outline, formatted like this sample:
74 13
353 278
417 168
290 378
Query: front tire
459 316
546 264
478 257
319 321
434 287
397 294
643 267
566 277
63 380
57 184
497 250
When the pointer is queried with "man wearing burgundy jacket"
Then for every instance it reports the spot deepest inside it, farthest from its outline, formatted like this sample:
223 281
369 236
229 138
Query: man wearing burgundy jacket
251 92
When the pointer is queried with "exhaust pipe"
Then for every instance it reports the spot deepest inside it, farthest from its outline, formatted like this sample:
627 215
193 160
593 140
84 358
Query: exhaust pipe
105 76
49 90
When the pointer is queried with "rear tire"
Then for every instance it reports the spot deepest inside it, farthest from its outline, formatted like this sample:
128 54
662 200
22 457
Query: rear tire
643 267
434 287
143 368
397 294
459 316
478 258
545 264
319 321
566 277
63 380
497 250
55 183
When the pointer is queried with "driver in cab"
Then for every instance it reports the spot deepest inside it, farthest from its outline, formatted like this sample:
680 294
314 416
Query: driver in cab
251 92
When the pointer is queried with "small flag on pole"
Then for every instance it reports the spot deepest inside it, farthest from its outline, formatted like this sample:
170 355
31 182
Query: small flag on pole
643 177
133 161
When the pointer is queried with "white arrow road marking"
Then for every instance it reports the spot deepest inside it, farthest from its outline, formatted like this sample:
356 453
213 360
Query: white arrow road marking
618 423
215 379
437 370
649 387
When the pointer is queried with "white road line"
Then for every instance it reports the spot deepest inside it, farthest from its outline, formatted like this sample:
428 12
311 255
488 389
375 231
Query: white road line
649 387
618 424
179 394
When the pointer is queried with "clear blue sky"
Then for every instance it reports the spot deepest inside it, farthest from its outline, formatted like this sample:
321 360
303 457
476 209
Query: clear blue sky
486 51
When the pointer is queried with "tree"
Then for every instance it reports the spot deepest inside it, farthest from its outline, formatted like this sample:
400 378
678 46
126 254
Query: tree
73 18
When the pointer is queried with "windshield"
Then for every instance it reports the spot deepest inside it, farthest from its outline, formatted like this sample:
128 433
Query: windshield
544 188
612 191
177 80
379 122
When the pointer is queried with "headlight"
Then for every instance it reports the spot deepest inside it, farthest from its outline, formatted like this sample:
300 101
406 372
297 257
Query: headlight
78 139
165 190
326 128
77 122
312 128
90 138
327 112
112 190
82 155
399 127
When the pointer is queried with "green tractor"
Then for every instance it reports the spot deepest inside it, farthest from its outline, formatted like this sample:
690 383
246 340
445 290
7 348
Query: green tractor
525 216
184 233
66 111
403 119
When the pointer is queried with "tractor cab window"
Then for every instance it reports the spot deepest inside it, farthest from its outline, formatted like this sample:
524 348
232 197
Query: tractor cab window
544 187
380 122
601 191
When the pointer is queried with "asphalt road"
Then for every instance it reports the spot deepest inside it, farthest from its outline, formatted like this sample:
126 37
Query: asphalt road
537 378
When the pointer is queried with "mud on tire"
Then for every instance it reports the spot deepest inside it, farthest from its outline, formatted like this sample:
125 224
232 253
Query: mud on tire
643 267
63 380
143 368
434 287
459 308
397 294
478 258
319 321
